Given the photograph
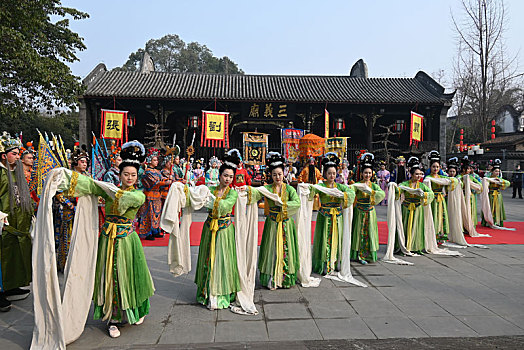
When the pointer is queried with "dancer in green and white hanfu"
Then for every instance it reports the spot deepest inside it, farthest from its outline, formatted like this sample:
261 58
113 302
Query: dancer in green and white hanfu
278 258
123 283
329 226
413 207
364 245
217 276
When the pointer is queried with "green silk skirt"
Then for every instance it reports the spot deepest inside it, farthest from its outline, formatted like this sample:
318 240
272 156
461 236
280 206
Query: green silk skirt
225 270
267 255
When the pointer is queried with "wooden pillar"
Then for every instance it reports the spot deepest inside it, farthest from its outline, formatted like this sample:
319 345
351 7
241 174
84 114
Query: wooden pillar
84 123
369 124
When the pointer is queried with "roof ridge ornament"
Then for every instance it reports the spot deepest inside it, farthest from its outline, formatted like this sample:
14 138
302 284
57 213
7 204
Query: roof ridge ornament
359 69
147 65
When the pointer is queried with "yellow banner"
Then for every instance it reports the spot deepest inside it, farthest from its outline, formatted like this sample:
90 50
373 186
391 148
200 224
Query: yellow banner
416 126
113 127
215 125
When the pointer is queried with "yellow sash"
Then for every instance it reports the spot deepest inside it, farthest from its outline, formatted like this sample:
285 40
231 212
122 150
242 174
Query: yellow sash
278 276
411 209
334 238
496 206
440 208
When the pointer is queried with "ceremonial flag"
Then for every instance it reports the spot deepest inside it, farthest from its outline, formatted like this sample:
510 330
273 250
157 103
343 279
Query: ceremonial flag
337 145
58 150
46 162
98 165
215 133
255 148
416 132
63 150
113 124
290 140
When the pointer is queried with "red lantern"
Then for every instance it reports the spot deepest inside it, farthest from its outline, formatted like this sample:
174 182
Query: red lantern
493 122
492 136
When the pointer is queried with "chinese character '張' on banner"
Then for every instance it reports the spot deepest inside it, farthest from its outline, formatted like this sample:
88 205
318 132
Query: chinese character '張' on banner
215 133
417 123
114 124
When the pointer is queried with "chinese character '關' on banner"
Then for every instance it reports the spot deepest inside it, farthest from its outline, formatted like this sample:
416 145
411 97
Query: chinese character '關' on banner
215 133
113 124
416 128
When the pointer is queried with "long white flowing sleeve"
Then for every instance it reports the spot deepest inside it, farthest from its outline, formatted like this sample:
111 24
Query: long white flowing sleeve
395 228
304 238
430 237
246 239
178 248
61 320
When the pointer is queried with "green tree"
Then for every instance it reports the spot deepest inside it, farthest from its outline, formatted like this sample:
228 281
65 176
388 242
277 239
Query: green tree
36 45
171 54
63 124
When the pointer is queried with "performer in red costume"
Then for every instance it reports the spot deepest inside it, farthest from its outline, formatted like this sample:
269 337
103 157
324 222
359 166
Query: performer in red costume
241 176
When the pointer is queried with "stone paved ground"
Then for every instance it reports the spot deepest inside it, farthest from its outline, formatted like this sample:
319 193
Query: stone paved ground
440 302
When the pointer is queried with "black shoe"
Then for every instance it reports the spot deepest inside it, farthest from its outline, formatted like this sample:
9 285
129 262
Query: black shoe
16 294
5 305
150 238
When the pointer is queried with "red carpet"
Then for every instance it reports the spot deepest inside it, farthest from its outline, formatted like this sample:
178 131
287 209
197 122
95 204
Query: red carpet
497 236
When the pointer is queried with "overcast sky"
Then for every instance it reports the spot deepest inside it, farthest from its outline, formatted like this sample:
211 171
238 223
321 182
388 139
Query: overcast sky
395 38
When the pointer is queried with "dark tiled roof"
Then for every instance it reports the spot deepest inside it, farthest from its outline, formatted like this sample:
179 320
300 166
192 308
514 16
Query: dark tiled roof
191 86
505 140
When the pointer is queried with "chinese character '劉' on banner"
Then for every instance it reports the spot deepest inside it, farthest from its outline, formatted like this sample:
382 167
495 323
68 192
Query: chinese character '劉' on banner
417 124
215 131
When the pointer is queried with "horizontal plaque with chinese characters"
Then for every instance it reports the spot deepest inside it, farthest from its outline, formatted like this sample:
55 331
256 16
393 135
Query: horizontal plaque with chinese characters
268 111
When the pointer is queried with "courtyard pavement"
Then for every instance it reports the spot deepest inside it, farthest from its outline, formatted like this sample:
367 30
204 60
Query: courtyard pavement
476 301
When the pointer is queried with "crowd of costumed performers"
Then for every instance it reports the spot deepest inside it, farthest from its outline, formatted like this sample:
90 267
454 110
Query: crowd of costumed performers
54 236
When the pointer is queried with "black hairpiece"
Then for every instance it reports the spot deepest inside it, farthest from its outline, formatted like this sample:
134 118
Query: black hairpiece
330 160
275 160
132 154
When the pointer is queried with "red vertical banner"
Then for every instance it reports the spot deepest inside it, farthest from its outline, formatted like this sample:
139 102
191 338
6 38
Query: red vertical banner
202 131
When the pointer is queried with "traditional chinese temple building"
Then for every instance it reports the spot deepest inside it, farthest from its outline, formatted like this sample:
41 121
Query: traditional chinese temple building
361 108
